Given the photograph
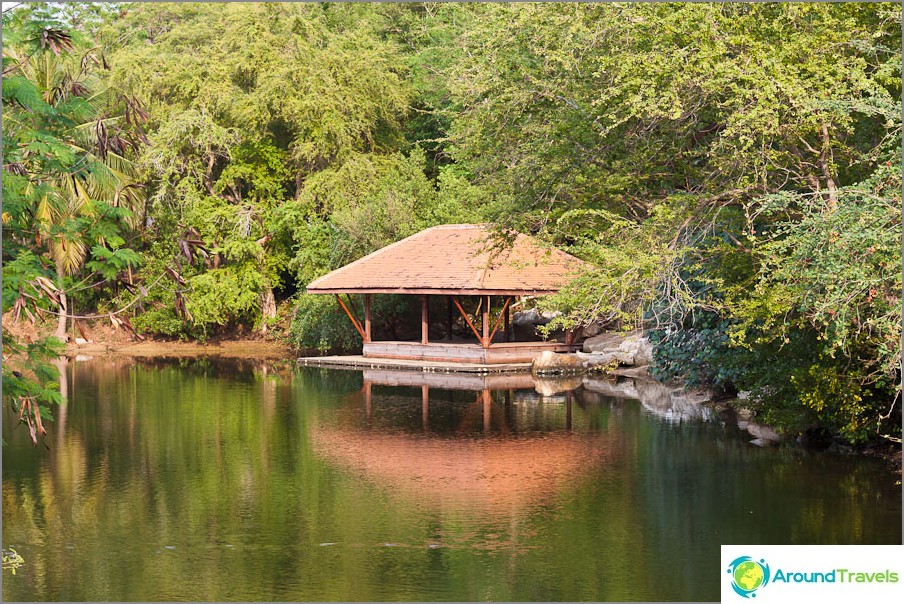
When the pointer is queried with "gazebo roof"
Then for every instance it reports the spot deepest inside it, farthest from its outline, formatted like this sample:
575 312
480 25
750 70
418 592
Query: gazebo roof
454 259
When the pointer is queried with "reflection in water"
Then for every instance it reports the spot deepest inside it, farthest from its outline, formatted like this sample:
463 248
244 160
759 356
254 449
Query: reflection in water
490 454
215 480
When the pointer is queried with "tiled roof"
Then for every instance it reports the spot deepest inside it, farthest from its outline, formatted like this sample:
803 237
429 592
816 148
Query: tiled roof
454 259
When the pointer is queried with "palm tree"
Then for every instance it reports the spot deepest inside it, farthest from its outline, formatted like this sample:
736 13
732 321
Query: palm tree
71 151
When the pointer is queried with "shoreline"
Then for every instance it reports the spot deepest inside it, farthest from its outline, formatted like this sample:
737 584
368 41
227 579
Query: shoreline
226 348
272 350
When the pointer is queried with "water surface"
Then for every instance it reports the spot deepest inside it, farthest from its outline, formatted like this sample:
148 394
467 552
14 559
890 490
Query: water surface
218 480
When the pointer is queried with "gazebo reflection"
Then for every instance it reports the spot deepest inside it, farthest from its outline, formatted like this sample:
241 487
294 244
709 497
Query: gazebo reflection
481 442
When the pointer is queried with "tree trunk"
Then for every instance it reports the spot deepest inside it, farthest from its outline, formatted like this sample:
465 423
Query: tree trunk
824 159
268 308
64 307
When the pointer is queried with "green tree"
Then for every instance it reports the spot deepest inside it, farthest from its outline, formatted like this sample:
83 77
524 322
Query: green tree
68 191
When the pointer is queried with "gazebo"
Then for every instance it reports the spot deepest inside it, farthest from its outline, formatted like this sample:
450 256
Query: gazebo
455 260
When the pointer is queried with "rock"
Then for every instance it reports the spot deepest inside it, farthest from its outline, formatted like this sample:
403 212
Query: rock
605 342
533 317
549 386
761 432
644 354
594 329
596 359
550 363
628 349
81 341
643 371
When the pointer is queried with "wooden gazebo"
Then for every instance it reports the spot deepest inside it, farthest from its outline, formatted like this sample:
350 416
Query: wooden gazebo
454 260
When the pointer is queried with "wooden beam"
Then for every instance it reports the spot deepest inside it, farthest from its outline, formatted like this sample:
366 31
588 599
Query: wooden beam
499 318
425 319
367 325
352 317
467 318
485 324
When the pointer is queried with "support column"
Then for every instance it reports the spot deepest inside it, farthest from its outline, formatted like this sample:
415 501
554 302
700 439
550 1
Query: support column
508 321
425 323
487 410
367 402
367 337
485 321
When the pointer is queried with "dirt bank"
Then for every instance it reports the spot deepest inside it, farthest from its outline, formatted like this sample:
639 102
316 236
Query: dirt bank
245 349
100 337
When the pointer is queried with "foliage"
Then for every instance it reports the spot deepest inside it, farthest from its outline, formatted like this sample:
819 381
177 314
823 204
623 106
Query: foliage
731 171
68 191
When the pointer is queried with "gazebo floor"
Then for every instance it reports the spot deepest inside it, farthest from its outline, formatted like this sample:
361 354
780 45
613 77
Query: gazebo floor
362 362
463 352
501 357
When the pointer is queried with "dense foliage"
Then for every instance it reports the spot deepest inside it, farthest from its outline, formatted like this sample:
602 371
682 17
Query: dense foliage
732 171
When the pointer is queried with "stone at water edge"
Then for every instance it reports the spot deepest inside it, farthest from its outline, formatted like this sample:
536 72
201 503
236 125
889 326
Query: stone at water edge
605 342
596 359
628 349
550 363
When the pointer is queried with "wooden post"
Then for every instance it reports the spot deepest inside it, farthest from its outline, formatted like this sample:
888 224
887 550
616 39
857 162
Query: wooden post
487 409
449 318
367 336
367 402
570 336
425 406
485 320
425 323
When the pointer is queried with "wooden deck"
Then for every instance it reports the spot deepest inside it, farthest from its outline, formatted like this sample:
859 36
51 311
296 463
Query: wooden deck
361 362
463 352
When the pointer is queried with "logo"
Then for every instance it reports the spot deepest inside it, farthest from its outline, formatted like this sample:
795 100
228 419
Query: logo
748 575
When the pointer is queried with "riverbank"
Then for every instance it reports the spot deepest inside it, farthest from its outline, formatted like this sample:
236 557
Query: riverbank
227 348
100 338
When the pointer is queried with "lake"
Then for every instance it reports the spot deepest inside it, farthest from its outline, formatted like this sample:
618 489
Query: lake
207 479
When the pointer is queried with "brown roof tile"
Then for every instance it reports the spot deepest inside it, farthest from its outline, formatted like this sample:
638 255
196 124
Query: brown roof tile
454 259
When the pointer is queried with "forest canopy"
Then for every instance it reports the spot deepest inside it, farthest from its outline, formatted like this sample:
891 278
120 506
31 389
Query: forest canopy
731 171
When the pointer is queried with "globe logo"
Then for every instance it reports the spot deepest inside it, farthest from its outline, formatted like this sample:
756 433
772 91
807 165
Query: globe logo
748 575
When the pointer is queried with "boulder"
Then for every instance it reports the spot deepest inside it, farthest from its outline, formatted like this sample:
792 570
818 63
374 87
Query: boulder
550 363
644 354
628 349
593 360
604 342
533 317
594 329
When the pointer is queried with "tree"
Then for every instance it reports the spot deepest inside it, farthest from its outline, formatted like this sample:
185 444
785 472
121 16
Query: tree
67 190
